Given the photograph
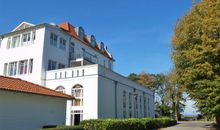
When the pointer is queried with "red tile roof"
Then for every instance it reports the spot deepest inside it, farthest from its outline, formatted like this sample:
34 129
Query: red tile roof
70 29
18 85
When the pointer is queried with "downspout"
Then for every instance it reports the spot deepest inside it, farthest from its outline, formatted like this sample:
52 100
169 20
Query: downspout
116 110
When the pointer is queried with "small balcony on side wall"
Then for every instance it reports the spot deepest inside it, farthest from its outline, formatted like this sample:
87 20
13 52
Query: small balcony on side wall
82 59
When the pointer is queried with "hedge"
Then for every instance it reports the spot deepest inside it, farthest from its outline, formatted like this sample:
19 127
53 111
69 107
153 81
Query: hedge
120 124
66 128
127 124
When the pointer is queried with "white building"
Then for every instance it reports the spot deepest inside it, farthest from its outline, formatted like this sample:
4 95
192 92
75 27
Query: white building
27 106
64 58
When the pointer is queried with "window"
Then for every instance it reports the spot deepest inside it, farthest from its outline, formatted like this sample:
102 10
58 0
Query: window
93 41
62 44
33 35
135 105
148 106
0 42
26 38
23 67
130 105
140 101
52 65
124 104
5 68
145 107
30 66
15 42
77 92
61 66
9 43
81 33
12 70
104 64
53 39
60 89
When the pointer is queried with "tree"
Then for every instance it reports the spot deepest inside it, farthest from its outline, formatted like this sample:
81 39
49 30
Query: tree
168 94
196 55
133 77
174 94
147 80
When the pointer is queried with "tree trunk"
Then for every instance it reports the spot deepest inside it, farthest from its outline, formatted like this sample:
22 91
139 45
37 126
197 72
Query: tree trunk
217 120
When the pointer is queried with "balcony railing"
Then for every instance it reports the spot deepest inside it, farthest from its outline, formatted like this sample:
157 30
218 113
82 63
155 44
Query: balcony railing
85 55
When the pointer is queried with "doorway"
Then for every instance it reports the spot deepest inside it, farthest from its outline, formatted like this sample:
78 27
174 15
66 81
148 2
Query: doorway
76 119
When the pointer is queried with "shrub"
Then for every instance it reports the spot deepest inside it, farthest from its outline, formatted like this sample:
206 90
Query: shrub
120 124
66 128
127 124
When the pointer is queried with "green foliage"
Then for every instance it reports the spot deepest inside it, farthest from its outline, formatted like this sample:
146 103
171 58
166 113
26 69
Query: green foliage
127 124
196 55
66 128
133 77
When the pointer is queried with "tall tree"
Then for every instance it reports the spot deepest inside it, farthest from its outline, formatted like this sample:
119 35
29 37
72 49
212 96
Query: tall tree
196 55
174 94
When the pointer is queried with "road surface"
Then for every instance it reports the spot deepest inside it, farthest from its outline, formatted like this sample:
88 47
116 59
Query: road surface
190 125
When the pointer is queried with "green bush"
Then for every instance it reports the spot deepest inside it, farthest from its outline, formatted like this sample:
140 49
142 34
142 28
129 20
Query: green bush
66 128
120 124
127 124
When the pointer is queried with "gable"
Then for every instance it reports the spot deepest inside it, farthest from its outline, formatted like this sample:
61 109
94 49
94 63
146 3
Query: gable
23 25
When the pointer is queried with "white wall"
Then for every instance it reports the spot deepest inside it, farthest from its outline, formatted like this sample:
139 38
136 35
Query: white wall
99 91
106 97
89 82
22 111
34 50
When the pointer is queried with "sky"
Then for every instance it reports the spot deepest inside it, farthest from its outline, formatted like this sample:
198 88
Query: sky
138 33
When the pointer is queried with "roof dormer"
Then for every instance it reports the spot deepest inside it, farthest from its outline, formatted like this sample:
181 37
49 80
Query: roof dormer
23 25
92 40
80 32
102 47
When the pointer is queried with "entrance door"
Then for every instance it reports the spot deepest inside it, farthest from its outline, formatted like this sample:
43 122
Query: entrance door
76 119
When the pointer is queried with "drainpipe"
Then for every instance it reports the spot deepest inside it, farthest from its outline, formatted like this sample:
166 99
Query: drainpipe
116 110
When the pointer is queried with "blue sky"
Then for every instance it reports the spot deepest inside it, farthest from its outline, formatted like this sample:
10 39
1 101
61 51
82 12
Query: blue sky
137 32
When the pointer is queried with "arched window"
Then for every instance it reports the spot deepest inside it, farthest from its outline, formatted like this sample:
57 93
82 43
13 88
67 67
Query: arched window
77 92
60 89
81 33
93 41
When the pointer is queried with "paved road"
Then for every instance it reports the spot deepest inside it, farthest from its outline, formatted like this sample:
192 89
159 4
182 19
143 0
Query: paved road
190 125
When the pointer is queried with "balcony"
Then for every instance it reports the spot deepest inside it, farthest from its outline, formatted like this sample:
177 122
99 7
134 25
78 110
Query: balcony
81 59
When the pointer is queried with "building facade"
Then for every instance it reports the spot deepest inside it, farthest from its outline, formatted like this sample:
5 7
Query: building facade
65 59
27 106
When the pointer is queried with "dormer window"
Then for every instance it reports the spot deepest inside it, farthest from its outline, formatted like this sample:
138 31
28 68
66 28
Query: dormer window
81 33
102 47
93 41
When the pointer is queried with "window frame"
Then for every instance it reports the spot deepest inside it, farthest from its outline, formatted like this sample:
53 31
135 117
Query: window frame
24 69
79 99
52 65
62 44
53 39
60 89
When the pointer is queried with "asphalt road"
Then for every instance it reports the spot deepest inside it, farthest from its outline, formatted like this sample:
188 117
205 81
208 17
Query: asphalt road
189 125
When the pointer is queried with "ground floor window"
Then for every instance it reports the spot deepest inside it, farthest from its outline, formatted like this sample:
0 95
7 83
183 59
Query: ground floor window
130 105
124 104
145 107
135 105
